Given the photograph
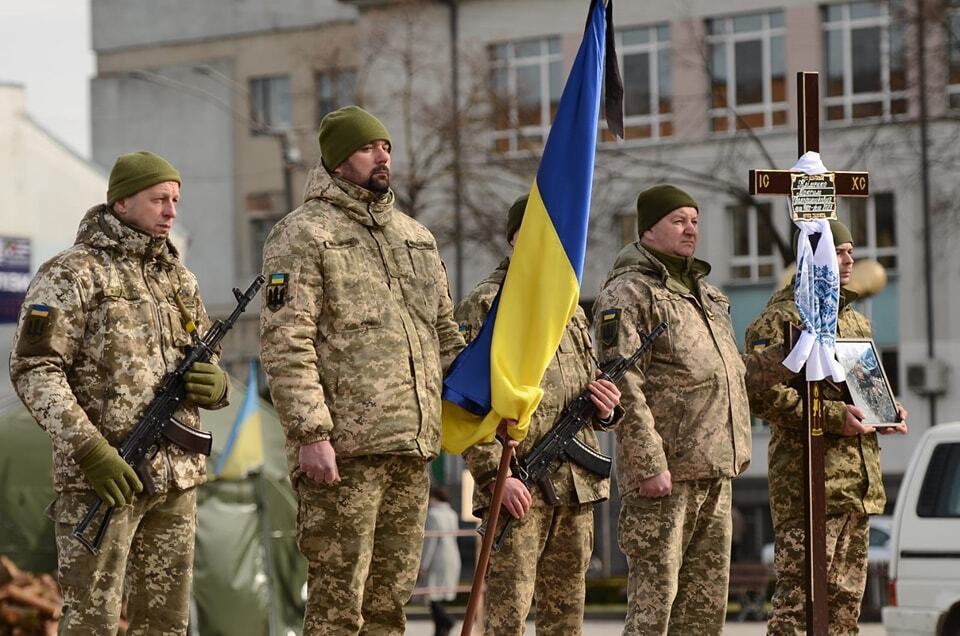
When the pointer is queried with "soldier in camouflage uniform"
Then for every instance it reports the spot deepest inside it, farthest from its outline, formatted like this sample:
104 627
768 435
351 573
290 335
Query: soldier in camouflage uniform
546 554
686 430
854 484
102 323
356 329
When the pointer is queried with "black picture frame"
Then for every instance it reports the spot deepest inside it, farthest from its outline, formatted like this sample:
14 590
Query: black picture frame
867 384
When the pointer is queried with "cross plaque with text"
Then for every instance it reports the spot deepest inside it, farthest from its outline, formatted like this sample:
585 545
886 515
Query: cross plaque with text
814 202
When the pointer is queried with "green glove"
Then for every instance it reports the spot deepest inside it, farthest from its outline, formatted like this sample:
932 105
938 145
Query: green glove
206 383
112 479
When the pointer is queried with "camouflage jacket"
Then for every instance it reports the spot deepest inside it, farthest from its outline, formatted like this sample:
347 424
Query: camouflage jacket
98 330
686 403
852 464
569 372
357 324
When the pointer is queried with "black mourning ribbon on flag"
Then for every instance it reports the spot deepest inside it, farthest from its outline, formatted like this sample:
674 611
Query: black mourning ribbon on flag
612 82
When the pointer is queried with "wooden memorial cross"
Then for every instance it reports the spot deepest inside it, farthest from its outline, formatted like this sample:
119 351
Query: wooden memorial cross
812 196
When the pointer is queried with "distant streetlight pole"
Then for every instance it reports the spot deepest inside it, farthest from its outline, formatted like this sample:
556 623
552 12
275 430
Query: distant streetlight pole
457 146
290 157
925 192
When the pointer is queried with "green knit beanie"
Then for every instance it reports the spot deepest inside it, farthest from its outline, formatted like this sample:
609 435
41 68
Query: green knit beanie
657 202
345 130
515 216
841 234
138 171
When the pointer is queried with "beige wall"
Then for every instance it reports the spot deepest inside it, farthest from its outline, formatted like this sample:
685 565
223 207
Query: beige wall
375 43
257 159
46 190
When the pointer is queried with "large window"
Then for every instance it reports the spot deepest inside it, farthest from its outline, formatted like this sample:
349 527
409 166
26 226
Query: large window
259 230
890 358
940 492
334 89
746 65
752 259
527 79
627 224
270 103
644 54
873 224
264 209
866 62
952 21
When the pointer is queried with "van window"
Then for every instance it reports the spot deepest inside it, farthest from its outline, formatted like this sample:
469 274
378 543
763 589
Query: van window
940 494
878 537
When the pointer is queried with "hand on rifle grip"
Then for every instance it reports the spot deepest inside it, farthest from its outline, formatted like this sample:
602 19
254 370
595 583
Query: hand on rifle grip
516 497
114 481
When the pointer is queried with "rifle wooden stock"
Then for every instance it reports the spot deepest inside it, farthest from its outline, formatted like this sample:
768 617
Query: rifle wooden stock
188 438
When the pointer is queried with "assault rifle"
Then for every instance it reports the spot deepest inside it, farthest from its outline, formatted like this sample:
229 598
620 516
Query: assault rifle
158 422
562 444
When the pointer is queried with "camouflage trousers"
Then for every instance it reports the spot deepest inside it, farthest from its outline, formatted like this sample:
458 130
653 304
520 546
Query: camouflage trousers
847 543
146 557
678 554
362 539
543 558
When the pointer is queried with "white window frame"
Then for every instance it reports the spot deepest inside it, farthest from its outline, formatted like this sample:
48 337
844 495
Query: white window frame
953 41
886 97
262 115
333 77
654 47
511 62
870 250
754 260
728 38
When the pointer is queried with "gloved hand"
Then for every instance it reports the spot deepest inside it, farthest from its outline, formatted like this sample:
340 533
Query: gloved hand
206 383
112 479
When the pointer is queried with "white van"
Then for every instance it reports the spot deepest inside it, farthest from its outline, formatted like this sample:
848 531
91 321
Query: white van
924 586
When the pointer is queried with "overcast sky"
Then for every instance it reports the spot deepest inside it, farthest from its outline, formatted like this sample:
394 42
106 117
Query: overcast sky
45 45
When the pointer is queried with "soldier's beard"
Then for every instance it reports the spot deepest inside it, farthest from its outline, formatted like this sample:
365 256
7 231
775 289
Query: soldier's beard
378 182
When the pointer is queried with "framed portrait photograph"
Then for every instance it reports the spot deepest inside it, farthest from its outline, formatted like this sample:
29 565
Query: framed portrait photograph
867 381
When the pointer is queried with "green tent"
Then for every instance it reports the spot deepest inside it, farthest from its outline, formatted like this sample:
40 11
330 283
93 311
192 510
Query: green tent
248 575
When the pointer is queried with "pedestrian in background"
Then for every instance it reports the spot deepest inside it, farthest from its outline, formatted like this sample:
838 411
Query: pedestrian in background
440 559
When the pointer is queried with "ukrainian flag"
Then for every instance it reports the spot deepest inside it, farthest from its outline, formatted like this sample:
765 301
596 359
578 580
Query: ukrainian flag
498 376
243 452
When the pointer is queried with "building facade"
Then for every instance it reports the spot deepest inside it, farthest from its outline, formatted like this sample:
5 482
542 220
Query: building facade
48 188
468 89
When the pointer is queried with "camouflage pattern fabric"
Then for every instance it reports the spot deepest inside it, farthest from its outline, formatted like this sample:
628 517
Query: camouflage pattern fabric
98 330
543 559
362 538
764 368
570 370
686 402
356 329
686 412
847 543
854 482
357 324
678 553
546 554
152 542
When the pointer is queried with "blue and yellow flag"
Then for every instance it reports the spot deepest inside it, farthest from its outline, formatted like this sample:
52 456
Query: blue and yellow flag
243 452
498 376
